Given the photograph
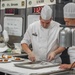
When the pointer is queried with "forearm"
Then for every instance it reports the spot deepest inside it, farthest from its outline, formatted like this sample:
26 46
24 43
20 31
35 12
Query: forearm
59 50
25 47
73 65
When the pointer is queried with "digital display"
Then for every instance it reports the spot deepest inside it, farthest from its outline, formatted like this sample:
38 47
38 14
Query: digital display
36 9
11 11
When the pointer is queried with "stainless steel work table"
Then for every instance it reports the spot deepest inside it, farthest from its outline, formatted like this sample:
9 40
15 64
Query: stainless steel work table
9 68
68 72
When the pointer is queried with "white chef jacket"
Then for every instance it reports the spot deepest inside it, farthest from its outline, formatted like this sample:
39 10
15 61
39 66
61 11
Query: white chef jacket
43 40
71 52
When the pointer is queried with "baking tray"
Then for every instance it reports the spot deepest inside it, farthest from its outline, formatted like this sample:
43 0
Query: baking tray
36 65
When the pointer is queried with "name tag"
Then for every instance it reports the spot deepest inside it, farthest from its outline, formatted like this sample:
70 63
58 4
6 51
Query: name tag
34 34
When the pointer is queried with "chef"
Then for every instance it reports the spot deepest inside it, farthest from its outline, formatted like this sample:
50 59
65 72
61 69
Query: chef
4 38
69 18
43 35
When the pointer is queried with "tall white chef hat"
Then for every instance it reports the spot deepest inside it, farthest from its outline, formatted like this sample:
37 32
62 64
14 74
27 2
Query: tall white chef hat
46 12
69 10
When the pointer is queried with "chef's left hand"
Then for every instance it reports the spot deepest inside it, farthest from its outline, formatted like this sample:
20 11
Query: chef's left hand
51 56
65 66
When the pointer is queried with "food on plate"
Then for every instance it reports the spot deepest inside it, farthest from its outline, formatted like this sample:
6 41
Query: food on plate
9 56
16 58
1 60
4 56
5 60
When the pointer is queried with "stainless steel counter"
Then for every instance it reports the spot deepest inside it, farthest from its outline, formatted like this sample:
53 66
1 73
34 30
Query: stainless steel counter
69 72
9 68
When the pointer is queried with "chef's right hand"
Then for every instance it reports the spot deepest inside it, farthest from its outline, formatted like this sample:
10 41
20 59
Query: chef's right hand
51 56
31 56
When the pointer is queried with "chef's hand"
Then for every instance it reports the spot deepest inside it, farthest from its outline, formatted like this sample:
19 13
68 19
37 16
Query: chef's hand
65 66
31 56
51 56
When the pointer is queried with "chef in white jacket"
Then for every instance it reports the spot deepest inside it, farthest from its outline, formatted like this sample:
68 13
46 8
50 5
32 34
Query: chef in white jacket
5 34
69 18
4 38
43 35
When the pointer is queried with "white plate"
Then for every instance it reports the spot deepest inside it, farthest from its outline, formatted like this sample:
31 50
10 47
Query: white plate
3 49
5 61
